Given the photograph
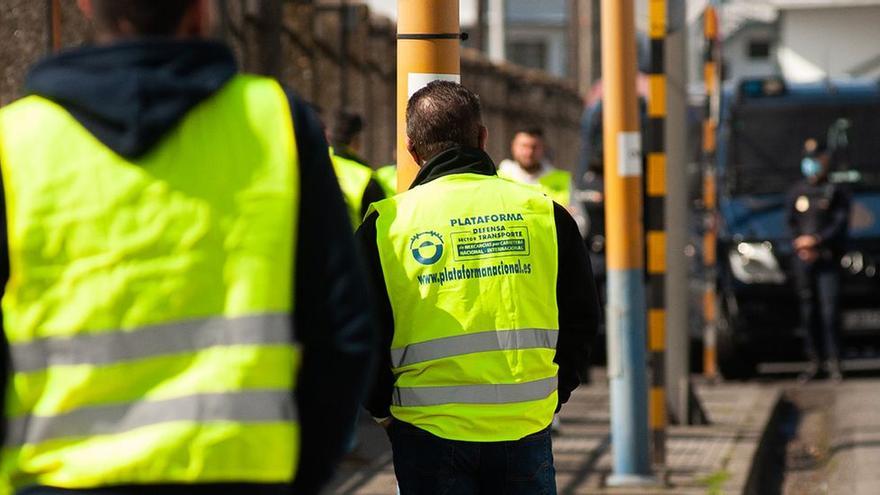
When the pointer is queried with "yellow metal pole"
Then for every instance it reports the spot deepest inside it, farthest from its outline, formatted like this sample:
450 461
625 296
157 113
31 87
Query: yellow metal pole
625 254
655 220
428 42
710 198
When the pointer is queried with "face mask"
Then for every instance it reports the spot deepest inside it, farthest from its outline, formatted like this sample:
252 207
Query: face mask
810 167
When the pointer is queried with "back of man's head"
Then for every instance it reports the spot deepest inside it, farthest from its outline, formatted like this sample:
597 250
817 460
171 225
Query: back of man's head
443 115
139 17
346 127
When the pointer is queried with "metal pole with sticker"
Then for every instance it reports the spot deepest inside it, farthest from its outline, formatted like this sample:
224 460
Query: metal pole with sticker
428 45
625 252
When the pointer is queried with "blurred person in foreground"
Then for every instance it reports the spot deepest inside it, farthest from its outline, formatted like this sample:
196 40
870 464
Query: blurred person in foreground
486 306
359 187
817 214
529 165
181 306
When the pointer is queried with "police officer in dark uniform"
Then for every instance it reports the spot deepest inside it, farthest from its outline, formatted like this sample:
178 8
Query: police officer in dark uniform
817 213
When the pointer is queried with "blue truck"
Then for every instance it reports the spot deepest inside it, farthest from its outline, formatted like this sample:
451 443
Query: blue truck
760 138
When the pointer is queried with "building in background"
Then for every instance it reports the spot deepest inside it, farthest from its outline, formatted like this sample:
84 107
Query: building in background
799 40
537 35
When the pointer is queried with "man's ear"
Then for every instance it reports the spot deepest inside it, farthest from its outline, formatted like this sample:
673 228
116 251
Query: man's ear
484 137
412 152
86 7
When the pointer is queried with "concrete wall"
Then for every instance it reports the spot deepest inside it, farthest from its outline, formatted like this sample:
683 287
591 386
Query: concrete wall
830 42
306 55
24 39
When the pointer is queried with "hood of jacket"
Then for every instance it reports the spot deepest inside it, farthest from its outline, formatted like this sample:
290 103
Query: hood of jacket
130 94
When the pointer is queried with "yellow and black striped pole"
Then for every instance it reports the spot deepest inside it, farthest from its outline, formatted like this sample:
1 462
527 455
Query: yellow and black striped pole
710 199
656 232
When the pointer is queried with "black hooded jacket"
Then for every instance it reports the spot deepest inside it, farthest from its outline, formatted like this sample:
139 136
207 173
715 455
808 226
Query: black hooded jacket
576 298
130 95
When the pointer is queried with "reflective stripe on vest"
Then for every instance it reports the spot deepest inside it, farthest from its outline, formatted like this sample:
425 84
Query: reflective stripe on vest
353 180
506 393
252 406
503 340
149 307
115 346
470 265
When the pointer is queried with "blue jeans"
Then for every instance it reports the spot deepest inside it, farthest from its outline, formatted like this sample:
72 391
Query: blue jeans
429 465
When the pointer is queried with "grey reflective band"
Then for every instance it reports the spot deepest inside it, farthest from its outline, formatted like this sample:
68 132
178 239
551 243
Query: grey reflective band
475 394
155 340
500 340
253 406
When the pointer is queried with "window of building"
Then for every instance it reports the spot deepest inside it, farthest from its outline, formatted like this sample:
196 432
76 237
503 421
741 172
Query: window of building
532 53
759 49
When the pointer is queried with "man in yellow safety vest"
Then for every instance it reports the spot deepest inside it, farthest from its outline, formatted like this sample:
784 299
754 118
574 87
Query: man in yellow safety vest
529 165
486 310
359 187
180 315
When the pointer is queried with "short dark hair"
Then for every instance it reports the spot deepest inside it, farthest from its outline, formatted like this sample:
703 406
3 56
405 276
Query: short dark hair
148 17
346 126
443 115
531 131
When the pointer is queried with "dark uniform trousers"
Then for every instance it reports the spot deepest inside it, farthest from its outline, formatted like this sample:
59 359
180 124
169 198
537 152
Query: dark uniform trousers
818 288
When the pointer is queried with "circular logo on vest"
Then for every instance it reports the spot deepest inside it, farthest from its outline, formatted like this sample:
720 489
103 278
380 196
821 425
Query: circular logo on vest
427 247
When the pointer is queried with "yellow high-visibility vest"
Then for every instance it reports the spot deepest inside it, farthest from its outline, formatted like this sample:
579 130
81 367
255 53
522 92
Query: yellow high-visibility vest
387 178
556 184
150 301
470 263
353 179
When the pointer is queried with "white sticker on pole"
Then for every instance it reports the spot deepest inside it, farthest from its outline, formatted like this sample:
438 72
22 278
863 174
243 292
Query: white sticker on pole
418 80
629 154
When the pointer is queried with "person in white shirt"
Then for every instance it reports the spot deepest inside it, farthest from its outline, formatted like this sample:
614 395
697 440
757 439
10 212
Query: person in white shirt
530 166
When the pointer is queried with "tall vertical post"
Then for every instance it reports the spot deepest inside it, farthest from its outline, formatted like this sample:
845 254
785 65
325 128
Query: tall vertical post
343 53
428 44
677 300
623 212
656 228
710 199
53 25
497 31
479 36
581 51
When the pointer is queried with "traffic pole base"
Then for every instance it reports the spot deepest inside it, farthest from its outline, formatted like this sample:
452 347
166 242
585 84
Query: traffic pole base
633 480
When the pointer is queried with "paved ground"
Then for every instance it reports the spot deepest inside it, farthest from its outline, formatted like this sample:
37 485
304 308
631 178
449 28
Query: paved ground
704 459
825 438
854 445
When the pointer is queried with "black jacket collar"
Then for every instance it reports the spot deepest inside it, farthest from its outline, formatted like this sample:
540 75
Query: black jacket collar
458 160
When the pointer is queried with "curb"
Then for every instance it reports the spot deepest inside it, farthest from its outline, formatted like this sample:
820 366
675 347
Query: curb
764 447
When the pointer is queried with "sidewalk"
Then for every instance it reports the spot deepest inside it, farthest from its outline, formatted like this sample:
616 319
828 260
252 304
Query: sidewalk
703 459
